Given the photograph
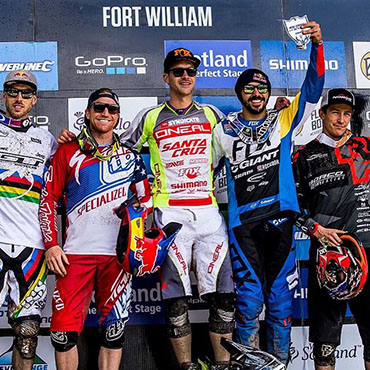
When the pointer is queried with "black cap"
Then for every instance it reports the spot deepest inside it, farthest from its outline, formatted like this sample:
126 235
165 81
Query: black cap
338 96
104 92
251 75
177 55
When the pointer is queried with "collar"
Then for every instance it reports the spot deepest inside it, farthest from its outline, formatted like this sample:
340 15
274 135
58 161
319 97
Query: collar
88 145
18 125
180 111
325 139
251 123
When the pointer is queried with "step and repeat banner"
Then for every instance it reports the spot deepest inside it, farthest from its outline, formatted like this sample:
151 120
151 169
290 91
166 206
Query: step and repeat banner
76 47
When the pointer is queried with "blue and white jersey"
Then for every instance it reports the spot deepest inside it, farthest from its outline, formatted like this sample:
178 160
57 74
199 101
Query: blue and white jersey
259 173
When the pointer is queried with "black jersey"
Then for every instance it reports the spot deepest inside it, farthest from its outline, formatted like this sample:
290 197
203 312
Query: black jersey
333 184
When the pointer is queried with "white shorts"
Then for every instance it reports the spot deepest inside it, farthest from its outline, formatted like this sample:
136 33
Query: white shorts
201 246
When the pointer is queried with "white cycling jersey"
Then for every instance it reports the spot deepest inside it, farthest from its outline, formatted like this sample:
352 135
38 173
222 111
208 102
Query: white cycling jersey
24 156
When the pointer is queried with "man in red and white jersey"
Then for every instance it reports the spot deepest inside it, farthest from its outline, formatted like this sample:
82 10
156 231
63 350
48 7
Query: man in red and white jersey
92 175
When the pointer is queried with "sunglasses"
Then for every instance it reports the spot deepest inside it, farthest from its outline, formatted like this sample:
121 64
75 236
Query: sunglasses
249 89
100 108
26 93
179 71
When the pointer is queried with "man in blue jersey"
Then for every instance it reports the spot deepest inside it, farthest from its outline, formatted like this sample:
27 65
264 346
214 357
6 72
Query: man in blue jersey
256 145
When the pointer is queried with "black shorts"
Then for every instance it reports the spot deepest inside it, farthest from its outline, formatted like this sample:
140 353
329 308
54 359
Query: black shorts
326 315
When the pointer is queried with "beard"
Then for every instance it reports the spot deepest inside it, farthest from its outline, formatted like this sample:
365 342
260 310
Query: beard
17 115
252 109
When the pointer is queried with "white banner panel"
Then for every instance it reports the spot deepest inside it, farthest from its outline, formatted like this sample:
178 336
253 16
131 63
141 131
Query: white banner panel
361 56
129 109
348 354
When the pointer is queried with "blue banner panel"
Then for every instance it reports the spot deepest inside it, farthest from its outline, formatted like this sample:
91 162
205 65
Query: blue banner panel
40 58
225 104
146 304
286 67
222 61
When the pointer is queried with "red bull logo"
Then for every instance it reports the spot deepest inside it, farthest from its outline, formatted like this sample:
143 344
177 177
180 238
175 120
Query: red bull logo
147 254
21 74
259 77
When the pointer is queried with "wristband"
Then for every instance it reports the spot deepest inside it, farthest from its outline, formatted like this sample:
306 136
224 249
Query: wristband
314 228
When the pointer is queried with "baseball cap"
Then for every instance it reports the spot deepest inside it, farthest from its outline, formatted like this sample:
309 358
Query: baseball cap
179 54
338 96
21 76
251 75
103 92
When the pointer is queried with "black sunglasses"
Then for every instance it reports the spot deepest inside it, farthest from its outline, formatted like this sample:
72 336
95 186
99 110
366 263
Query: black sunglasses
179 71
100 108
13 92
249 89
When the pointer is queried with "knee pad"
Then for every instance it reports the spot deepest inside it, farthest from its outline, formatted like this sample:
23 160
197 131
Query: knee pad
367 352
113 336
324 353
221 312
63 341
177 319
26 331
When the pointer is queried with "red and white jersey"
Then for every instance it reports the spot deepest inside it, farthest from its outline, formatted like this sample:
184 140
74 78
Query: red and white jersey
91 189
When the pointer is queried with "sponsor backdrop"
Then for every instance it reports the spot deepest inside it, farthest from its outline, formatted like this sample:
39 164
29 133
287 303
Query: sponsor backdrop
76 47
287 66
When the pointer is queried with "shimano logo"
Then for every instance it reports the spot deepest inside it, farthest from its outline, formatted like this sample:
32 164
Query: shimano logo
300 64
44 66
111 64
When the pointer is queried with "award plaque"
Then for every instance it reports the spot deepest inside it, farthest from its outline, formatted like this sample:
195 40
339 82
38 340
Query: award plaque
294 30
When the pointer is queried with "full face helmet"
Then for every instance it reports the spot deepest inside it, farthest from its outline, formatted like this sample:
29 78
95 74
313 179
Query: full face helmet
342 270
243 357
141 251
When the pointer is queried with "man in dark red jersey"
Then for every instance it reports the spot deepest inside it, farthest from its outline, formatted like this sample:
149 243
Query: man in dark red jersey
332 178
